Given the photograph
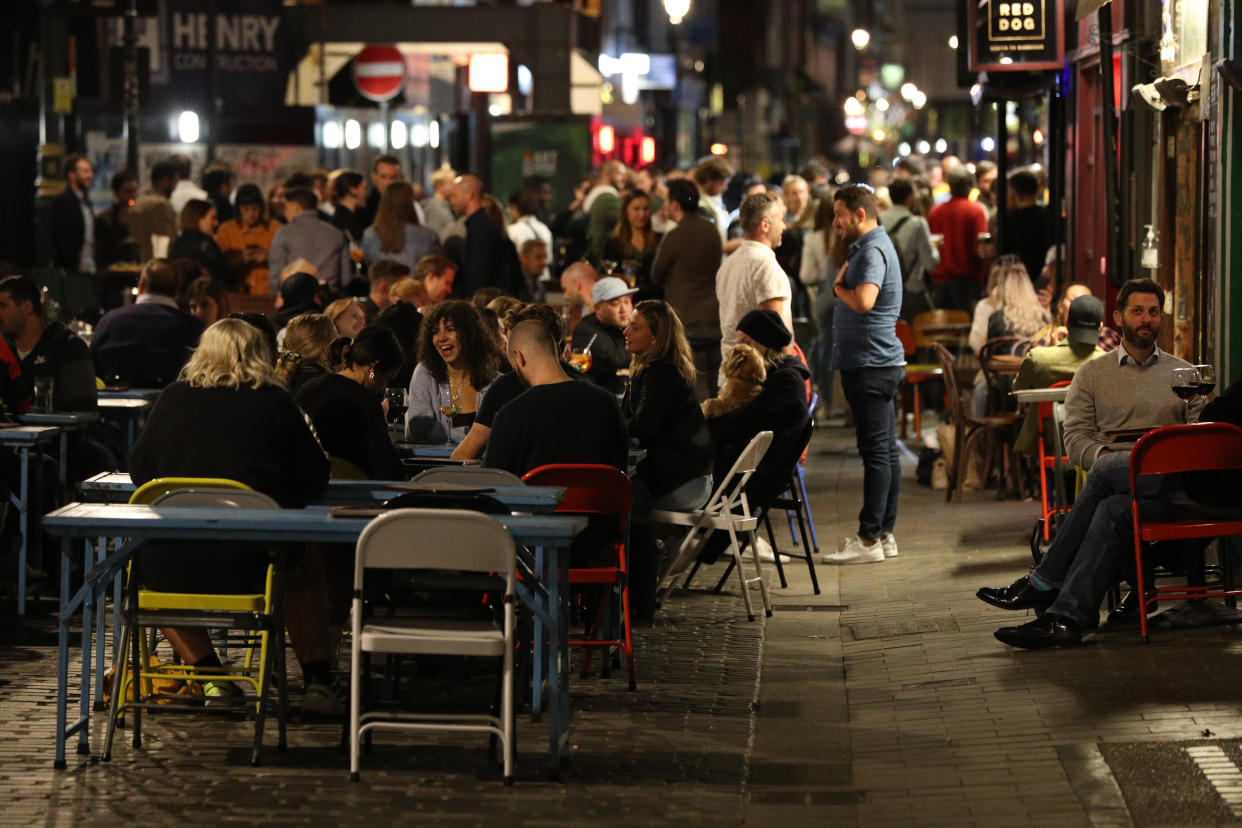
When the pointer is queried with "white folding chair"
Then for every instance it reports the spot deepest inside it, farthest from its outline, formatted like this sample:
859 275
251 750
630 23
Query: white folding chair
433 539
728 510
468 476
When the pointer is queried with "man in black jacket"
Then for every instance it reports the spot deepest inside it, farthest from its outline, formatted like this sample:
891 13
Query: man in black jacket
604 332
488 257
46 352
73 221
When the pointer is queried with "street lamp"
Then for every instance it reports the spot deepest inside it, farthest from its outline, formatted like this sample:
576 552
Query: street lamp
859 37
676 9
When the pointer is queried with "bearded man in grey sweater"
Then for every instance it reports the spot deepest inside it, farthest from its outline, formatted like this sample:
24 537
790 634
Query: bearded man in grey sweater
1112 399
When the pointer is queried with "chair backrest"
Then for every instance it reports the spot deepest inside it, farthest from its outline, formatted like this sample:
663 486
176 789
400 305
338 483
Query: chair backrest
234 498
434 539
152 490
470 502
468 476
590 488
731 492
1045 408
906 334
932 318
1183 448
341 469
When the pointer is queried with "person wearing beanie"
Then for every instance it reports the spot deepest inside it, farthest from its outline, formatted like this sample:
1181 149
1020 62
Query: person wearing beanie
871 360
765 327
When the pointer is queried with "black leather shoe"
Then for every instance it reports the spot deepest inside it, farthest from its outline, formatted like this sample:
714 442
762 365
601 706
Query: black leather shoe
1046 631
1126 614
1021 594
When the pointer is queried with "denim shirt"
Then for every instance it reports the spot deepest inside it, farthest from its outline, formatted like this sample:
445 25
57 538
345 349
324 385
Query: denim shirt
869 340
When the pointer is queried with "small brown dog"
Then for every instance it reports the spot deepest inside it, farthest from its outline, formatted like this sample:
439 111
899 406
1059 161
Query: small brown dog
744 376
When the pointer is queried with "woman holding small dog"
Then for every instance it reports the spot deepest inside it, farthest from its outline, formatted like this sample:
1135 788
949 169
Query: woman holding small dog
663 415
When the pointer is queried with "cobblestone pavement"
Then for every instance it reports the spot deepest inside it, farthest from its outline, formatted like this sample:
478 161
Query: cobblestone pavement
884 700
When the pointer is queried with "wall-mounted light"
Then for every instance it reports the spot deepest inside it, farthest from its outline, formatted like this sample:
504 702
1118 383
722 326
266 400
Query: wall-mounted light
489 73
332 135
860 38
353 134
187 127
398 135
676 10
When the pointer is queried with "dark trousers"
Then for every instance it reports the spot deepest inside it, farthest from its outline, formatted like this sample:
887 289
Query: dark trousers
959 293
706 365
870 393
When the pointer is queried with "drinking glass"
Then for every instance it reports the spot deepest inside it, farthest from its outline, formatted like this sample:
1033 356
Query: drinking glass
398 401
1207 379
581 358
43 387
1185 384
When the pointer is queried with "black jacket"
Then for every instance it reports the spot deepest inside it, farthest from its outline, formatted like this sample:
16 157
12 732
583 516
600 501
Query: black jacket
489 259
350 425
781 407
202 248
68 230
662 412
144 345
61 356
253 435
608 353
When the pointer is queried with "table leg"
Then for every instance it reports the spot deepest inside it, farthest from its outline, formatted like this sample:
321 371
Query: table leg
88 606
561 577
23 524
64 457
62 658
101 626
536 647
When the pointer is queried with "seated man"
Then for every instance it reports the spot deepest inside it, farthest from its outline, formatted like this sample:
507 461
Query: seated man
1055 363
147 343
47 352
556 420
1110 398
603 332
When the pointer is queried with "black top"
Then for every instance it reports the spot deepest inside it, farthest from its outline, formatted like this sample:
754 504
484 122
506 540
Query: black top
62 356
303 372
662 412
608 354
350 222
144 345
202 248
1028 233
255 436
68 226
563 422
506 387
404 320
350 425
489 259
621 252
781 407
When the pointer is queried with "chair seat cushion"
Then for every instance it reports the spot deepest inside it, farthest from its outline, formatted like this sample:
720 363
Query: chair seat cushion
435 636
1170 530
150 600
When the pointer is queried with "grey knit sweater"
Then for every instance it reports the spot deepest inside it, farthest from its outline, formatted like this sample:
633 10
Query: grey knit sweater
1107 396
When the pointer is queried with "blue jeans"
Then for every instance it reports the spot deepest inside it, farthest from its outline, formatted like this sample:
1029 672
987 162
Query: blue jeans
1109 476
870 393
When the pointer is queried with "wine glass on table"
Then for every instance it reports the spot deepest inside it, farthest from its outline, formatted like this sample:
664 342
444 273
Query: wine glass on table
1207 379
1185 384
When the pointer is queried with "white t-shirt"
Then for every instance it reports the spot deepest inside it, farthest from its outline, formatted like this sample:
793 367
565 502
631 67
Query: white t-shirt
748 277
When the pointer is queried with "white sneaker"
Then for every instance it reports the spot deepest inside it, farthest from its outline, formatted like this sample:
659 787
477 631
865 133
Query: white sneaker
890 545
765 550
854 552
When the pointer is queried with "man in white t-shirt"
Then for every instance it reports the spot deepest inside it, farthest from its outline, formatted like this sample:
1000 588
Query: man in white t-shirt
751 277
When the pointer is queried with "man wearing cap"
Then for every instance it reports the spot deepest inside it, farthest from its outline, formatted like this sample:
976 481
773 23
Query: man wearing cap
603 332
871 360
751 277
1109 399
1056 363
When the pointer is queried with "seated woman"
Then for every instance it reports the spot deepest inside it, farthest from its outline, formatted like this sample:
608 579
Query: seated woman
663 415
247 239
456 364
397 233
230 416
781 407
300 292
197 241
208 301
345 406
306 352
347 315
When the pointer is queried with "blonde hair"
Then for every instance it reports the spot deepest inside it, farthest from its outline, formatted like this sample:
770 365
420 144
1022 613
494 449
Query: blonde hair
336 309
410 291
1016 299
668 340
308 337
231 354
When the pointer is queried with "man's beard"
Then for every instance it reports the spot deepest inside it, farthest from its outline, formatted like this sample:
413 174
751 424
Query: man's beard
1142 336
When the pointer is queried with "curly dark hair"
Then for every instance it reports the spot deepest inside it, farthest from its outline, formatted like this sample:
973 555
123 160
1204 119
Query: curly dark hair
476 346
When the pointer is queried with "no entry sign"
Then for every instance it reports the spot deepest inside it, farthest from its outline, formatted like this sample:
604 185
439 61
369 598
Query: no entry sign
379 72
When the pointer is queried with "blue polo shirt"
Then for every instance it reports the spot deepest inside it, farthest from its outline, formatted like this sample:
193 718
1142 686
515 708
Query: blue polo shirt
869 340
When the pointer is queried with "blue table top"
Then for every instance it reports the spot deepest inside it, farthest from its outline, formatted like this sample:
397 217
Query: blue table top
116 487
62 419
312 524
148 394
30 435
424 449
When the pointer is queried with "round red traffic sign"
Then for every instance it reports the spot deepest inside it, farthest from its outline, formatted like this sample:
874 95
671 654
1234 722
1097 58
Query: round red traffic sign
379 72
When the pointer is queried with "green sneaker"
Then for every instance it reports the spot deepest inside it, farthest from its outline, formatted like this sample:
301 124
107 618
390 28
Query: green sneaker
325 699
223 694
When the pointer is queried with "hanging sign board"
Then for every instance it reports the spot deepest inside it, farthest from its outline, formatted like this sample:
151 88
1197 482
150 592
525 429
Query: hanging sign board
1015 35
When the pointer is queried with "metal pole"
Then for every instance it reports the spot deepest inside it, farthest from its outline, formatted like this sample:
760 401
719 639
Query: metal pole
130 86
1002 174
1109 123
1056 175
384 121
213 82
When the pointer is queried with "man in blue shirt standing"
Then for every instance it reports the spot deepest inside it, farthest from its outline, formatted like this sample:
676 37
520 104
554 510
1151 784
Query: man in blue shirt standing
871 360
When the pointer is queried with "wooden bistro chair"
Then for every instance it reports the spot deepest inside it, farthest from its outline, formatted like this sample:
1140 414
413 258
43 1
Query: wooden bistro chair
594 489
728 510
967 428
916 374
1170 450
955 322
445 540
258 615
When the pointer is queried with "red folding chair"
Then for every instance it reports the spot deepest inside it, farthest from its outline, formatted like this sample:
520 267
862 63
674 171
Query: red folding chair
1047 464
1169 450
593 489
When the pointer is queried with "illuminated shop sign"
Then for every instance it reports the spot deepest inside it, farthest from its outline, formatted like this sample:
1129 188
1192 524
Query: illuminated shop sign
1015 35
